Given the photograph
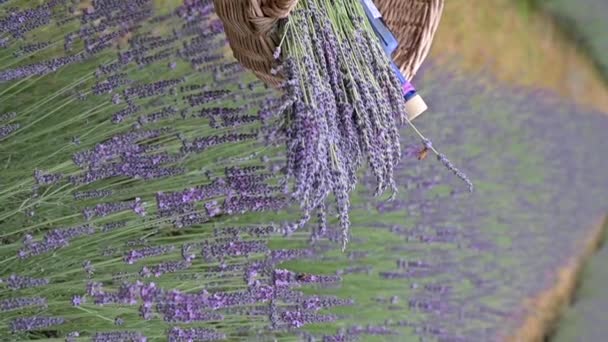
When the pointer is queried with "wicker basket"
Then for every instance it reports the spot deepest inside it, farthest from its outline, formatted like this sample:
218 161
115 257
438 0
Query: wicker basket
250 29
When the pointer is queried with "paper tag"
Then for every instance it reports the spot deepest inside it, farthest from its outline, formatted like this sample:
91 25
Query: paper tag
373 10
415 107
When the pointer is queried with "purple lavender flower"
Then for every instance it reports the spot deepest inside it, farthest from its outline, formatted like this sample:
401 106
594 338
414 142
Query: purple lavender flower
54 239
119 336
370 330
16 282
116 145
212 208
116 99
43 178
203 143
219 251
174 203
149 292
315 303
151 89
77 300
187 254
166 267
138 207
186 308
244 204
448 164
105 209
335 338
280 255
126 294
165 113
39 69
122 114
298 319
34 323
177 334
263 293
21 302
8 116
94 288
8 129
138 254
92 194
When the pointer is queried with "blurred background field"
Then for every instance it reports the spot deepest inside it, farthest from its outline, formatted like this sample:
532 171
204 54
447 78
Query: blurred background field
584 23
514 102
532 43
557 45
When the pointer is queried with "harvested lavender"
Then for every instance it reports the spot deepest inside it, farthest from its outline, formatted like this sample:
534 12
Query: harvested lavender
342 106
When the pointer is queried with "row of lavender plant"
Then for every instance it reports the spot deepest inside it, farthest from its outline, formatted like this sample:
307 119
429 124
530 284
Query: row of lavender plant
137 216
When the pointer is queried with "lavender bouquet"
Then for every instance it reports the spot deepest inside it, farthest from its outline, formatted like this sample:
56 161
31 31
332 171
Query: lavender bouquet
342 106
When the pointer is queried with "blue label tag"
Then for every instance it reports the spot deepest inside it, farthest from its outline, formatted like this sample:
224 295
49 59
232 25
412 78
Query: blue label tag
409 95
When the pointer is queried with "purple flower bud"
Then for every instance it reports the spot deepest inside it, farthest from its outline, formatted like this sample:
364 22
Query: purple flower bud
138 254
78 300
54 239
166 267
105 209
138 207
119 336
34 323
8 129
218 251
108 227
85 195
212 209
448 164
8 116
21 302
16 282
177 334
149 292
94 288
298 319
187 253
43 178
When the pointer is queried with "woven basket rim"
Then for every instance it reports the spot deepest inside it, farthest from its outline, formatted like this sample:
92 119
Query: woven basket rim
249 27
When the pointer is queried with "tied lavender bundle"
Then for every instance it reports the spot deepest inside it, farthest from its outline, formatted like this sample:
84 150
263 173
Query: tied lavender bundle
342 106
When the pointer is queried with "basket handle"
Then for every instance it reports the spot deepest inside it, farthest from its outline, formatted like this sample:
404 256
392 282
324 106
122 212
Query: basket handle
253 17
265 13
277 8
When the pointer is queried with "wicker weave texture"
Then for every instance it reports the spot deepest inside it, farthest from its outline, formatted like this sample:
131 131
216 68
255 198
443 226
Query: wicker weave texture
250 27
414 23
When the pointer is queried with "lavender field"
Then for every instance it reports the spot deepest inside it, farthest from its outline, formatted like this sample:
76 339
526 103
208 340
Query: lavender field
140 198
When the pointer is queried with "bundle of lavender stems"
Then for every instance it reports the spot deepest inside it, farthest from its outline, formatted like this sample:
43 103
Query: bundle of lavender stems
342 107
